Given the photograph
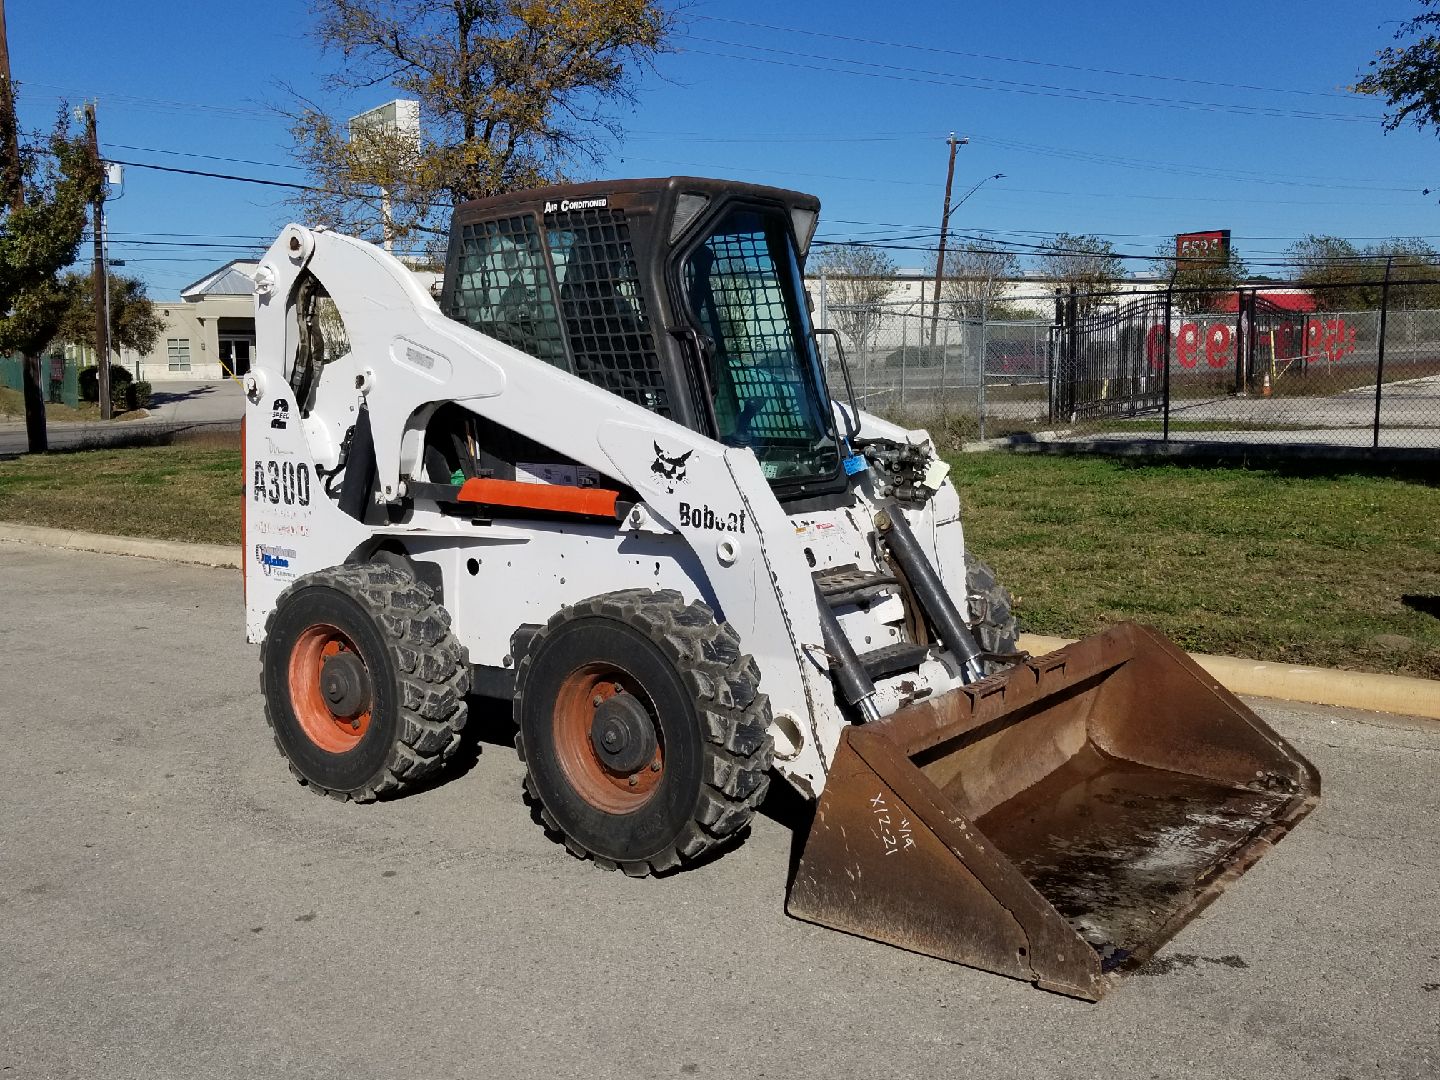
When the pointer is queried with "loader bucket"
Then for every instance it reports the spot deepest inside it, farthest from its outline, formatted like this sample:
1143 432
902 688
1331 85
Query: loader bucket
1056 823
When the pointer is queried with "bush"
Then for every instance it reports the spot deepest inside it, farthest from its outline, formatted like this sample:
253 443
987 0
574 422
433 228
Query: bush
90 381
137 395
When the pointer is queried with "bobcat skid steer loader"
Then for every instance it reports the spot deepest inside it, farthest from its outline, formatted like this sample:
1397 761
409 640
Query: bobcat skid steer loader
604 477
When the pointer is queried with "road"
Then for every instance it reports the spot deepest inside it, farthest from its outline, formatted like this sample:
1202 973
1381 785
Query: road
172 904
174 406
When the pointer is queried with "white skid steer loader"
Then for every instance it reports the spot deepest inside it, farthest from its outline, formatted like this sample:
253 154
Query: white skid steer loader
605 478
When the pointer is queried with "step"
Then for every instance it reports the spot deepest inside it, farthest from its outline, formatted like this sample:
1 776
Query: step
848 584
893 659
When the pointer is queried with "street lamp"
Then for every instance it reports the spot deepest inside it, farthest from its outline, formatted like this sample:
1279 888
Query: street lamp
945 228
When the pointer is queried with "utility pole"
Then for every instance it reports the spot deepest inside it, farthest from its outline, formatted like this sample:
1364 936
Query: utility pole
944 231
99 271
12 179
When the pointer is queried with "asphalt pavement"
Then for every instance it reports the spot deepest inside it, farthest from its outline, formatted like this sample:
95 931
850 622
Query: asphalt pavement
173 904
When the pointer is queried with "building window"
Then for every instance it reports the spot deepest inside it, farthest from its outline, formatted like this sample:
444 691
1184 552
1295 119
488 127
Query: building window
177 350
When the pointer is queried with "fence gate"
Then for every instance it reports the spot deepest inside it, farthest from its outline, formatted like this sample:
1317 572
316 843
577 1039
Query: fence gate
1109 358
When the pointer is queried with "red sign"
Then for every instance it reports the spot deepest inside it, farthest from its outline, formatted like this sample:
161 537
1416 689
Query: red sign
1213 246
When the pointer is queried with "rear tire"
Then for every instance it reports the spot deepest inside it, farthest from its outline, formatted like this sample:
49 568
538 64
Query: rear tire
364 683
644 735
990 611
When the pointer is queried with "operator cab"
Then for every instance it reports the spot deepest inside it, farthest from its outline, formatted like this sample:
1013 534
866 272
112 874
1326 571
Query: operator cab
682 295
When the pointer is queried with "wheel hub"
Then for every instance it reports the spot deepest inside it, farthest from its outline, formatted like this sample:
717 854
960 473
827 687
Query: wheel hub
623 734
344 685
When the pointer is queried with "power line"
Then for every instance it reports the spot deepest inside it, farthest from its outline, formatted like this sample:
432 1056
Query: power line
1026 60
234 112
900 73
206 157
223 176
1243 176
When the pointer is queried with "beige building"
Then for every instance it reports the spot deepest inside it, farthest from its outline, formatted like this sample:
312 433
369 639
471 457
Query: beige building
209 332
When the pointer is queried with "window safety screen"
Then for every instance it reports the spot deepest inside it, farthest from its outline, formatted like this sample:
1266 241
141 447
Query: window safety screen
503 288
603 310
743 284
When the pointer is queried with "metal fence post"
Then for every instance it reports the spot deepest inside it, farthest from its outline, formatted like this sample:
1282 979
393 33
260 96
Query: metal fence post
984 348
943 396
1380 346
1165 377
904 348
1242 384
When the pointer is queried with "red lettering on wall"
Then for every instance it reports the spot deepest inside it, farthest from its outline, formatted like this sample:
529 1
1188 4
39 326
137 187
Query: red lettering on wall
1155 342
1217 345
1187 345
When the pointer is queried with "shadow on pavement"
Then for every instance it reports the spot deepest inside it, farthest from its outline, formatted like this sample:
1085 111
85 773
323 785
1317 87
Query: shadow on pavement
175 397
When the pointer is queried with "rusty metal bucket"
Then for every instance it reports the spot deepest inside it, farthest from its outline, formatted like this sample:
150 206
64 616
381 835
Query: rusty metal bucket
1056 823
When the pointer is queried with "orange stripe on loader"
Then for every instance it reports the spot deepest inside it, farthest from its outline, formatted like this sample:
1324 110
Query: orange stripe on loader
557 498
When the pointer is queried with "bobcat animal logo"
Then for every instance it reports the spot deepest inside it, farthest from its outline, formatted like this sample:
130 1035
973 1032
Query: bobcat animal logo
670 470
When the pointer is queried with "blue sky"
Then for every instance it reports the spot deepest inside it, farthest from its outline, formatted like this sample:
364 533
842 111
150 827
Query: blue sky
1236 117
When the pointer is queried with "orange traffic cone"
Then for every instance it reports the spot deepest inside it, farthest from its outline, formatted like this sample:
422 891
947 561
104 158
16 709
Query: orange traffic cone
1265 386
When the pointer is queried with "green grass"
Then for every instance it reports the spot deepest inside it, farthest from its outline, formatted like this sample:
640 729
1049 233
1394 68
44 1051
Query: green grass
12 407
1304 565
1300 565
183 492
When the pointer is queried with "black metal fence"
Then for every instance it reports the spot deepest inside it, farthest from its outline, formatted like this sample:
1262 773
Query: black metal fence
1268 363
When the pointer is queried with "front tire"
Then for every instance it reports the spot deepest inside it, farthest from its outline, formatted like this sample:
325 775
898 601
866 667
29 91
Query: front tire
991 613
364 683
644 735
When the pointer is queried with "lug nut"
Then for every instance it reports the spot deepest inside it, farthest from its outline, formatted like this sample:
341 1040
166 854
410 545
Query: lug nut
634 780
654 766
596 700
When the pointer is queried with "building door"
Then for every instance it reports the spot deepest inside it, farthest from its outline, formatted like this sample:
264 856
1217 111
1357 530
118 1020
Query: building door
235 354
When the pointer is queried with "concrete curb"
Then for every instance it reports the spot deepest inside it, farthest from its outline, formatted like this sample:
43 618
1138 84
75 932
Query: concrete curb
166 550
1292 682
1258 678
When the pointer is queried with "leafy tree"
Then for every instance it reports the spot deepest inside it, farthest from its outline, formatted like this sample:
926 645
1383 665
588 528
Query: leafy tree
858 278
1343 277
1411 260
511 92
134 323
1088 263
975 279
1213 277
42 217
1408 77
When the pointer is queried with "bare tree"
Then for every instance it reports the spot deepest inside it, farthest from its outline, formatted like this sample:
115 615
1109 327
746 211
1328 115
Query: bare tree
857 281
1088 263
975 280
511 92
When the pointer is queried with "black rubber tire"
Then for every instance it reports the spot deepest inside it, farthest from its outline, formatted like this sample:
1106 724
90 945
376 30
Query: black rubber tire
990 611
714 728
419 675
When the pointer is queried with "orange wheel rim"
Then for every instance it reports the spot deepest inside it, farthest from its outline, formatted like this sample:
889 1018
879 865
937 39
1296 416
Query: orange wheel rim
594 778
335 727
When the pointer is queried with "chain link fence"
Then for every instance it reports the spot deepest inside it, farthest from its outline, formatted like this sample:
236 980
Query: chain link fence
922 370
60 378
1281 365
